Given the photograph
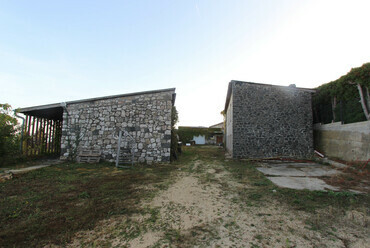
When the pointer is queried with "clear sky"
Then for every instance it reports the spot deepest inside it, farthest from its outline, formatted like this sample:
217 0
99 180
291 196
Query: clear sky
56 51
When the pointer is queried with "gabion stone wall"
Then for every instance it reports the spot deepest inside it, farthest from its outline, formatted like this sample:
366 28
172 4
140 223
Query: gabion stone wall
93 124
270 121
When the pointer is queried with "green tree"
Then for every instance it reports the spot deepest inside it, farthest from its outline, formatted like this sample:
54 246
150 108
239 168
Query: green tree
9 136
360 77
351 89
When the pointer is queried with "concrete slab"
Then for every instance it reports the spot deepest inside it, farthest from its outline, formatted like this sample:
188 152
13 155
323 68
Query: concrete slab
298 175
302 183
281 171
297 170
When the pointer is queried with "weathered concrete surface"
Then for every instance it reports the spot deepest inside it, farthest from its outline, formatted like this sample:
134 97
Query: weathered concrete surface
298 175
349 142
302 183
298 170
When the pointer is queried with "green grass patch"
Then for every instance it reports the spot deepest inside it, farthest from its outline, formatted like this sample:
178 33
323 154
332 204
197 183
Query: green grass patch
49 205
262 191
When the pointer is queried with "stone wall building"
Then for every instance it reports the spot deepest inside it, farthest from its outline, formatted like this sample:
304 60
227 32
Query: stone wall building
266 121
94 124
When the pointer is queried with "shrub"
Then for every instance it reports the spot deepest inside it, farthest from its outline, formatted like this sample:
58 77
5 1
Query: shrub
9 135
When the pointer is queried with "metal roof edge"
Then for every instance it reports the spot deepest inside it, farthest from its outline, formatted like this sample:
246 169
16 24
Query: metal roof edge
120 95
62 104
273 85
40 107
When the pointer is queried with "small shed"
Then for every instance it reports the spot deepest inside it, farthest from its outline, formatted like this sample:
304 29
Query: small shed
265 121
66 129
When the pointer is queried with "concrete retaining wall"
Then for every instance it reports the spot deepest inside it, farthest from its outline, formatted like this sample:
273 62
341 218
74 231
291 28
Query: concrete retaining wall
350 142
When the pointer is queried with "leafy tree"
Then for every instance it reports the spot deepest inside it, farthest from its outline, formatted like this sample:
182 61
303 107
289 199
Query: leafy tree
360 76
351 89
9 138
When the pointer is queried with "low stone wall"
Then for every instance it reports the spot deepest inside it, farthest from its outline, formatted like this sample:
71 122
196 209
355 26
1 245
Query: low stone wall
94 124
350 142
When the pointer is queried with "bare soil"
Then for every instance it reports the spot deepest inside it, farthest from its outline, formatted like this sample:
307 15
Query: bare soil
212 202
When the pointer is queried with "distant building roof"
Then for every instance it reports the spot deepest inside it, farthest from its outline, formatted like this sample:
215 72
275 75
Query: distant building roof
218 125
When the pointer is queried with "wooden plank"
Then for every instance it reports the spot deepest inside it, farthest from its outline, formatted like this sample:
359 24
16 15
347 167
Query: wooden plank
42 137
32 136
59 139
89 156
55 137
49 136
45 140
27 131
119 147
37 147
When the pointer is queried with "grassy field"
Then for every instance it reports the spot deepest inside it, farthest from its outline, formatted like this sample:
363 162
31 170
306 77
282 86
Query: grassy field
51 206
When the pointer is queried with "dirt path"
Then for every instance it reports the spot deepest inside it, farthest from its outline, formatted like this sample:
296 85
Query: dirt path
201 207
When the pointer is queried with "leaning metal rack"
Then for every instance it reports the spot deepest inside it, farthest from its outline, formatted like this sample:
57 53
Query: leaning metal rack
126 154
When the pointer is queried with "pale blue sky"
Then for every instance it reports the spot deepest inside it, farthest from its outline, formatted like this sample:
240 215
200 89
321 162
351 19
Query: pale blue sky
55 51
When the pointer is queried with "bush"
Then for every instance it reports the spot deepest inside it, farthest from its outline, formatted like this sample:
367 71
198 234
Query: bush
339 100
9 135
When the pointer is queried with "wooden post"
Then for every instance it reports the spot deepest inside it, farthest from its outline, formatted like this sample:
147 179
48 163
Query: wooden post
119 147
45 136
57 143
54 135
37 137
56 148
32 135
42 133
27 131
28 135
48 137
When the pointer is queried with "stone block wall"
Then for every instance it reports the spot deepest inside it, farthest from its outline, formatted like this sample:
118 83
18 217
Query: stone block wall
271 121
94 124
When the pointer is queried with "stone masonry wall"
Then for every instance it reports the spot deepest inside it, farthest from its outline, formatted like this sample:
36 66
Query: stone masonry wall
271 121
95 124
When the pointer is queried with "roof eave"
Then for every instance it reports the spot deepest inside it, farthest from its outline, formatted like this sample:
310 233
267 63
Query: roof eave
63 104
121 95
40 107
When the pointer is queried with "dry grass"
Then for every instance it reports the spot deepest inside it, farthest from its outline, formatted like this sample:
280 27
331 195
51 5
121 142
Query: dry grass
51 204
202 200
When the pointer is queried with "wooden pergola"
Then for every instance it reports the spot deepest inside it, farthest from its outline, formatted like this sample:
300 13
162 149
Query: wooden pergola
42 130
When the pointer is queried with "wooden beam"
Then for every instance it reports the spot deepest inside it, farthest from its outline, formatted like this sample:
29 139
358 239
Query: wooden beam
37 137
49 136
32 135
27 131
